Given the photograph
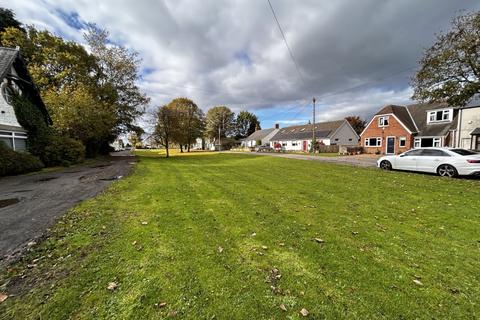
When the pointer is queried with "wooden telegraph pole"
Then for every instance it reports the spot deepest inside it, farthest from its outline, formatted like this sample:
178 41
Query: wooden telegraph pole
313 128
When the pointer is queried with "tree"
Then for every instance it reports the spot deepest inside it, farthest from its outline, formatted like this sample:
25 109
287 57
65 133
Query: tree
221 119
135 137
245 124
357 123
190 122
118 71
53 62
164 127
7 19
450 69
76 113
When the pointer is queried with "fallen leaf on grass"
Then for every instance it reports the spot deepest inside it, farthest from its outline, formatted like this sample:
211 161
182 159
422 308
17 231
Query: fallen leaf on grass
160 305
318 240
134 242
282 307
3 297
264 247
112 286
220 249
144 223
304 312
417 282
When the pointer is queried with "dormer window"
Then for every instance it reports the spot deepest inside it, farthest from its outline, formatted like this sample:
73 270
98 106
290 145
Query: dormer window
440 115
383 121
8 90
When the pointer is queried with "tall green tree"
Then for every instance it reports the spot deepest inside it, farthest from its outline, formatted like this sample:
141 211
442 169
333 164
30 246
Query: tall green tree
53 62
118 74
166 122
190 120
245 124
7 19
221 120
450 69
76 113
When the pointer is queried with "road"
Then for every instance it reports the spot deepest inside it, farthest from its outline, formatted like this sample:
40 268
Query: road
30 204
361 161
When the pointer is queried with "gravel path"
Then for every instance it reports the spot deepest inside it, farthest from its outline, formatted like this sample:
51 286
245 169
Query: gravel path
360 161
30 204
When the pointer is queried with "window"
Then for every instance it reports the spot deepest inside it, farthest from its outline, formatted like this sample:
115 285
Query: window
440 115
8 91
14 140
464 152
284 144
336 139
294 144
417 142
373 142
413 153
436 142
350 139
402 142
383 121
434 153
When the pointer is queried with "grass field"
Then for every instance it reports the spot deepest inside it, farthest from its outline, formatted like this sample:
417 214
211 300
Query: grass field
229 236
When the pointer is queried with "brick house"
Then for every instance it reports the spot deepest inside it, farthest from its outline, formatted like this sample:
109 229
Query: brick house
396 129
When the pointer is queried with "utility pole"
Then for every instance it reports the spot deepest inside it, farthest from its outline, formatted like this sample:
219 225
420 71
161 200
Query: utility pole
313 128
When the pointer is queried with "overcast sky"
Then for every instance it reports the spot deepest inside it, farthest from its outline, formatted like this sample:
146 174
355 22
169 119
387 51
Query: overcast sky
230 52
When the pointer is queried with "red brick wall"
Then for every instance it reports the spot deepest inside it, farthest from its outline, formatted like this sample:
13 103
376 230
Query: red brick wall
394 129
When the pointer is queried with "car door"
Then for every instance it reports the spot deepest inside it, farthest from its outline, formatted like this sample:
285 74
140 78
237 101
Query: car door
431 159
408 160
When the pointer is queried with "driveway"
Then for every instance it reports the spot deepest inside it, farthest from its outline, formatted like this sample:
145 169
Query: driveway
30 204
360 160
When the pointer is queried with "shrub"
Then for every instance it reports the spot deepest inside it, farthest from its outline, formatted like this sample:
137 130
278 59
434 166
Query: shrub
12 163
62 151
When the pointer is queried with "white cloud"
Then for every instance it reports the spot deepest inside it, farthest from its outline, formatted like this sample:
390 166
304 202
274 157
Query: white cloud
231 52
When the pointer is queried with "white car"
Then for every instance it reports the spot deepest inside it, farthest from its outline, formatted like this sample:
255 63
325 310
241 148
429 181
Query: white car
446 162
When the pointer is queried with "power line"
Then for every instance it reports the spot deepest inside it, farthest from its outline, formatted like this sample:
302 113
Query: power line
286 42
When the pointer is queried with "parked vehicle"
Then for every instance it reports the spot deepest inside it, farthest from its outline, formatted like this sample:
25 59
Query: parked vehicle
446 162
263 149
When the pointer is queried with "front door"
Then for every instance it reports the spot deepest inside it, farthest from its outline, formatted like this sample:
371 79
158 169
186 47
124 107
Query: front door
390 145
304 145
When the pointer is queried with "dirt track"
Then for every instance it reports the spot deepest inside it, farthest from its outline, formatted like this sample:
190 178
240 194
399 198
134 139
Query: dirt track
30 204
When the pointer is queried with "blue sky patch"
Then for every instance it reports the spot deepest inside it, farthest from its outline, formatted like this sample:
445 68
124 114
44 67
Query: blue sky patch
243 57
72 19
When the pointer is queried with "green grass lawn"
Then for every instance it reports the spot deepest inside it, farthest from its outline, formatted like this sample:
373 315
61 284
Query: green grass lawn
230 236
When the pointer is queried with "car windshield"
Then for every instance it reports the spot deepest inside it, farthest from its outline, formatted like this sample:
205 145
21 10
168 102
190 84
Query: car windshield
463 152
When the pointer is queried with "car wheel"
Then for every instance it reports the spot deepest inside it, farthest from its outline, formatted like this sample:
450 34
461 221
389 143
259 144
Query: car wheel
385 165
446 170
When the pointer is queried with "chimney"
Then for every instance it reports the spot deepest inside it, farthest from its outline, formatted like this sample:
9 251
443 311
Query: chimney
277 125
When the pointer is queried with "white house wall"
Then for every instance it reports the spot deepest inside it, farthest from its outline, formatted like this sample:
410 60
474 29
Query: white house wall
297 145
7 113
344 136
470 119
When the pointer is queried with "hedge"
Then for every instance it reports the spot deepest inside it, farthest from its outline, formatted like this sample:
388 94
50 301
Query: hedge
12 163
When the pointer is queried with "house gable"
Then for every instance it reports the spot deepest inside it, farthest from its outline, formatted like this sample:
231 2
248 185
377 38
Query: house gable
344 135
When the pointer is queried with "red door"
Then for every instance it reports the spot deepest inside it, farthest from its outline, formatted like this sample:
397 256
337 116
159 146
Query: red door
304 145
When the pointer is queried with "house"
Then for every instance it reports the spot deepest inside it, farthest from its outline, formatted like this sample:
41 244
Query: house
299 138
204 144
468 126
15 79
396 129
260 137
